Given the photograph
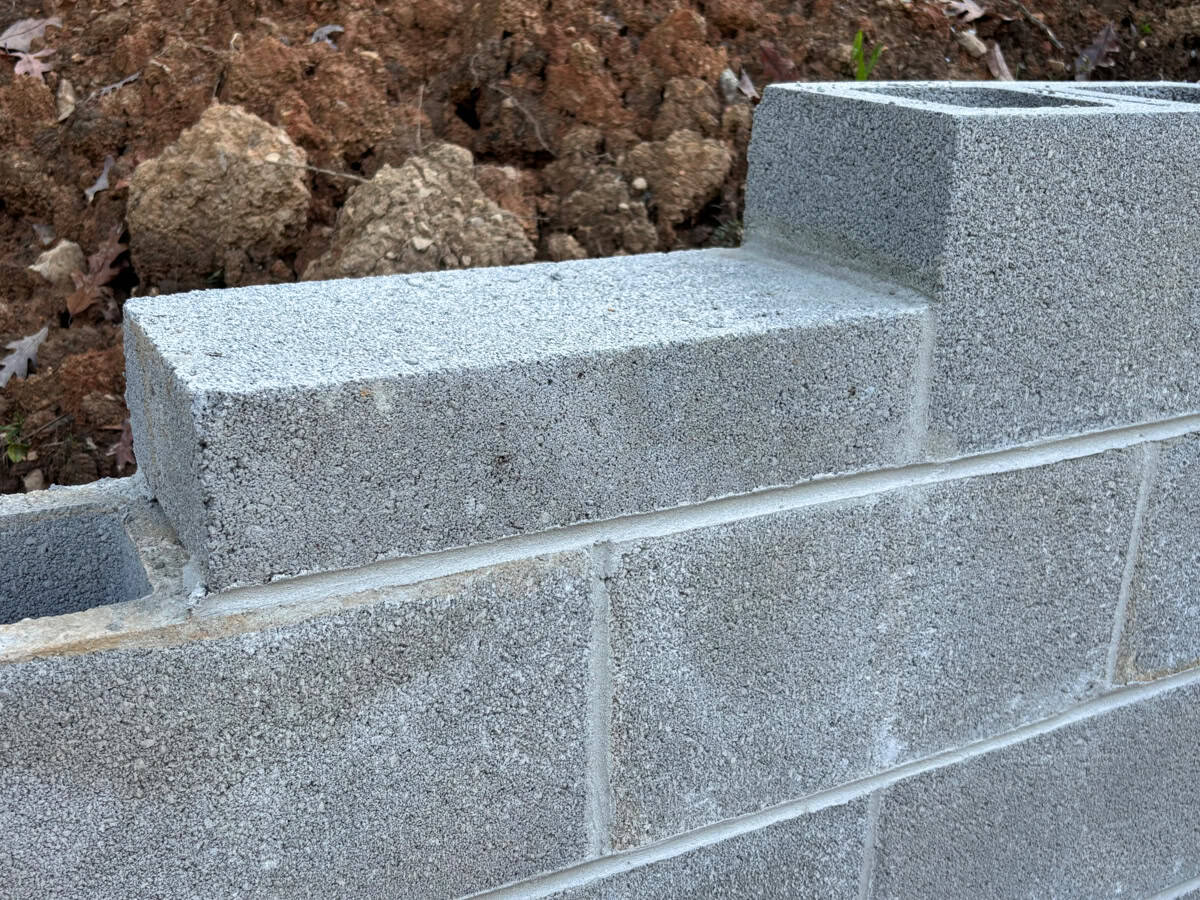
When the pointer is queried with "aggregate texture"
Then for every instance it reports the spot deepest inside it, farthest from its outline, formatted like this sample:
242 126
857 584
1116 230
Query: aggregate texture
334 424
1011 207
1162 623
428 743
1102 808
816 855
771 658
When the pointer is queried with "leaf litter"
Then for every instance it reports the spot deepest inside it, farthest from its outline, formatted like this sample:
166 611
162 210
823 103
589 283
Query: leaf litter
23 357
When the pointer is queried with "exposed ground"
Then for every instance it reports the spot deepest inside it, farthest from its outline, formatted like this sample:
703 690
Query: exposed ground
580 115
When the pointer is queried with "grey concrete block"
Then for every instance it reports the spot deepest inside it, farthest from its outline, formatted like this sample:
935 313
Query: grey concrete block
1044 223
817 856
1162 624
326 425
68 550
427 743
774 657
1105 807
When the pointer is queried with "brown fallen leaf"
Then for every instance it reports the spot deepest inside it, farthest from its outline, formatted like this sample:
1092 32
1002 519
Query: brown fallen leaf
1098 54
966 10
123 449
996 64
776 66
746 86
90 286
971 43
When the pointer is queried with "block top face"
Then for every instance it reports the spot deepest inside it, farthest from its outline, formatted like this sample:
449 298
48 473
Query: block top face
1025 99
316 334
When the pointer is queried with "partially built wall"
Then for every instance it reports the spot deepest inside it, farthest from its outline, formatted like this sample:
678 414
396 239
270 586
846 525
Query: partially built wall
857 562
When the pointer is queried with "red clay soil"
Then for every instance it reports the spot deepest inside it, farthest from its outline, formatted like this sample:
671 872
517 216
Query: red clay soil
511 80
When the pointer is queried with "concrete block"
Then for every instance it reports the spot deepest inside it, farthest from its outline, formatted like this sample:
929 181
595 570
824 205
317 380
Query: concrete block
324 425
424 742
1104 807
1162 624
63 551
816 855
770 658
1043 222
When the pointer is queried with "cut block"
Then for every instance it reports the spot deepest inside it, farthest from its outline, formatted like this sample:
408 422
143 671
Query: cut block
324 425
1051 225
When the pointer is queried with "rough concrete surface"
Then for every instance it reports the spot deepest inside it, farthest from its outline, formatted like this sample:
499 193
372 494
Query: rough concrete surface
818 855
767 659
1011 207
1105 807
331 424
1162 624
426 745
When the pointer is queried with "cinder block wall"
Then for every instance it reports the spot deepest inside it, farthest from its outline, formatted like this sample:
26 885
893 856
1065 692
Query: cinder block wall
858 562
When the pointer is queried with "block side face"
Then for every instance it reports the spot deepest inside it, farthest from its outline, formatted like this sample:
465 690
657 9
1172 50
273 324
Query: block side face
1104 807
816 855
433 739
165 440
1069 298
865 183
1162 626
771 658
328 479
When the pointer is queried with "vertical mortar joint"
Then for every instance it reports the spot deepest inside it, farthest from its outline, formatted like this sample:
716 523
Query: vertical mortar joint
599 808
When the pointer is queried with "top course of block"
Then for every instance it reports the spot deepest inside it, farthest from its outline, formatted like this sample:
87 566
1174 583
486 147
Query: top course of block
1048 224
326 425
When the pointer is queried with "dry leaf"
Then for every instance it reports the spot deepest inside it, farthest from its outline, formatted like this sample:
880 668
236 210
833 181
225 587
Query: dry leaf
996 64
1098 53
90 287
19 35
776 66
31 64
966 10
324 34
971 43
101 183
123 449
746 86
65 99
23 356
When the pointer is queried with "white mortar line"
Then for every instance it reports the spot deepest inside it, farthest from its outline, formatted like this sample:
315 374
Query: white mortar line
592 870
640 526
599 786
1179 890
866 875
1149 470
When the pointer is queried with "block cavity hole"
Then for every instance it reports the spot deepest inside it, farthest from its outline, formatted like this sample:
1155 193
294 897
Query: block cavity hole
980 97
1176 93
49 567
